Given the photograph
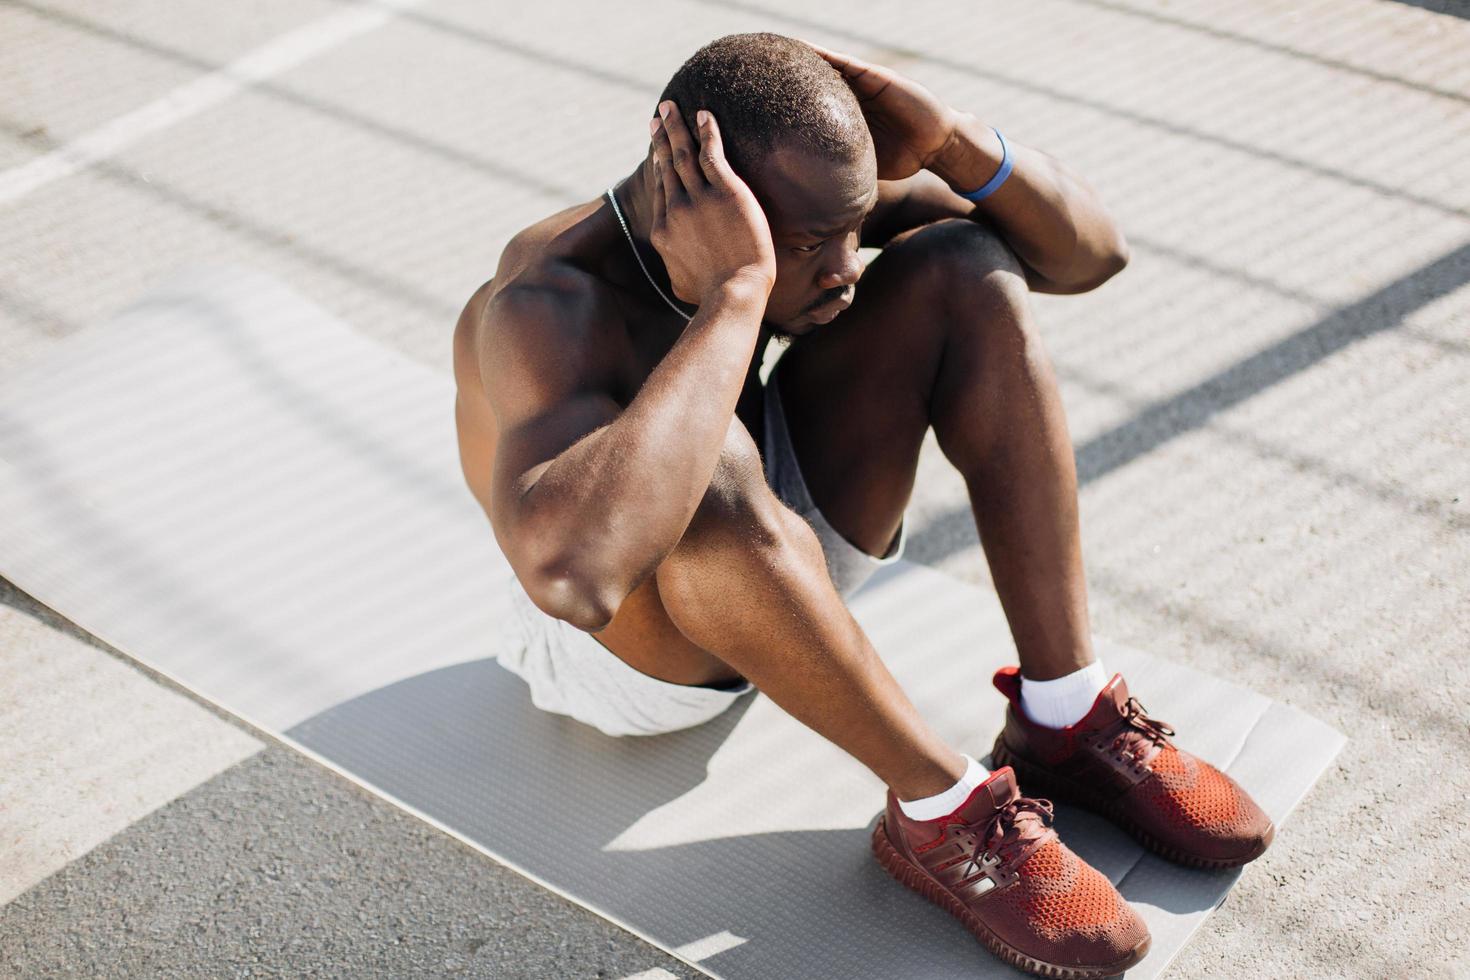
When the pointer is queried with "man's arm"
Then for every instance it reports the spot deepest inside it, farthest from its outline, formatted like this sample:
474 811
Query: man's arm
592 499
925 197
909 203
1048 213
586 497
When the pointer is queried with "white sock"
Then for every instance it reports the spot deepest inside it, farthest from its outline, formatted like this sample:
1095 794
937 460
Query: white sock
1065 700
943 804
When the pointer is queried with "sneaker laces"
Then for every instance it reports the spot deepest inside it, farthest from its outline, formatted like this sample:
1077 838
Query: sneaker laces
1140 737
1013 832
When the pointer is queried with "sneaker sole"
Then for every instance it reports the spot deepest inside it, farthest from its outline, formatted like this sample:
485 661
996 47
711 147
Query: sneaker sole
1037 780
911 876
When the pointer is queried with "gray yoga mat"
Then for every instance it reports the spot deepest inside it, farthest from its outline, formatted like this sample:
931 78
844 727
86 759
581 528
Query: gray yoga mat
246 495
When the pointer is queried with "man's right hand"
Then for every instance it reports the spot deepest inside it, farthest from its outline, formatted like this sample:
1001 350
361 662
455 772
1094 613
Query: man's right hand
707 225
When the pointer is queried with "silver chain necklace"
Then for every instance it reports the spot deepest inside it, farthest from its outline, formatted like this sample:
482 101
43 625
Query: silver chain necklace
617 211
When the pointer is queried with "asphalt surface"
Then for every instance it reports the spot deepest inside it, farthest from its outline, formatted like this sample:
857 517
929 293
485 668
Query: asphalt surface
1269 406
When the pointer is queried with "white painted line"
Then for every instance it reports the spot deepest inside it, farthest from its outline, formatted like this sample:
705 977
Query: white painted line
282 54
700 949
703 949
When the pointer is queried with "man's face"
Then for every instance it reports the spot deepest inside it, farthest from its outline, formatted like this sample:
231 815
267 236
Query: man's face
815 208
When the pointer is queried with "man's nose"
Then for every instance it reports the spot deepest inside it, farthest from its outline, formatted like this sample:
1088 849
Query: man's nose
845 271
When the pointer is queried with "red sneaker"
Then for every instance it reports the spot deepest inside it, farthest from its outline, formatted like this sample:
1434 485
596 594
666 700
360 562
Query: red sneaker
997 866
1119 762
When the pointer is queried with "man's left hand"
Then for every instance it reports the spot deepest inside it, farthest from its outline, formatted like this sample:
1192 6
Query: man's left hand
909 123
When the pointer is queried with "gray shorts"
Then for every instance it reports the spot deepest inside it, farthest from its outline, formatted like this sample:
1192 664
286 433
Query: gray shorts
570 673
849 565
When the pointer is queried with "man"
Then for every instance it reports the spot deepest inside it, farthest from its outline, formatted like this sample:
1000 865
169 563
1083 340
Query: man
681 534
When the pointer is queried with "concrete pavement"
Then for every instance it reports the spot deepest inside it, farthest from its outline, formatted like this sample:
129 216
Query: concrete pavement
1269 407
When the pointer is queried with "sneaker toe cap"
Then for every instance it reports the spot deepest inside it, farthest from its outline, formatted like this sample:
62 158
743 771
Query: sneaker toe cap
1065 912
1120 946
1199 812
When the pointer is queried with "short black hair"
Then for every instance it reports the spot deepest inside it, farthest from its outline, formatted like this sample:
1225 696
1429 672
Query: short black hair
768 90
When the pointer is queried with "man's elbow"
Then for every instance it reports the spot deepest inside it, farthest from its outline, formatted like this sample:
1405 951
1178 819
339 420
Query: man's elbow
564 578
572 596
1118 256
1112 260
1103 267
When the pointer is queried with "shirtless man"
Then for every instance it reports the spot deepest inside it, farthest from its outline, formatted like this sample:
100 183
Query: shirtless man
680 532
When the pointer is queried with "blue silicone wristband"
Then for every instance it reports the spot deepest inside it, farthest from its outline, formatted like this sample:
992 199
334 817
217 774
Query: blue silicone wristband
993 184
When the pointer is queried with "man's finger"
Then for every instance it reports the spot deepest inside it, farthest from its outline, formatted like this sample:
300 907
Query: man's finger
660 206
827 53
837 59
662 164
682 150
712 149
864 78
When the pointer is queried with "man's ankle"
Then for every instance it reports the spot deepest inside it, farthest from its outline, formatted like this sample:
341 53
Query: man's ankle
932 806
1063 701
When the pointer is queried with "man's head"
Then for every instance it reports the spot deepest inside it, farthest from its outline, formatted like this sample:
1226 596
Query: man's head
794 132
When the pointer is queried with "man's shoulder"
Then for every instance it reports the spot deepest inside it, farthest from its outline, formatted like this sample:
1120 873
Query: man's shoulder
548 311
547 278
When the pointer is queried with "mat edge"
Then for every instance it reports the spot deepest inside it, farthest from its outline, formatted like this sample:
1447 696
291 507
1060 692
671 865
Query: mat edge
270 735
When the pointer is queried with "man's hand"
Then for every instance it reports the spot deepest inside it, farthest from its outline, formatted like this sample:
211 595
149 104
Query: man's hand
1048 214
707 224
909 123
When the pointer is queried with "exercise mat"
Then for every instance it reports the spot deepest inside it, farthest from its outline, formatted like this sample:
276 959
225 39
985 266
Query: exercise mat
244 494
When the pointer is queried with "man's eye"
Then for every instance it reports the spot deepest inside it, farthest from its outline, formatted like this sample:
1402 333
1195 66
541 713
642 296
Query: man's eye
807 248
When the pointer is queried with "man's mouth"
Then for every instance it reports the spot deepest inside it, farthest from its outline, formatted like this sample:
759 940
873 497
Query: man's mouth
827 312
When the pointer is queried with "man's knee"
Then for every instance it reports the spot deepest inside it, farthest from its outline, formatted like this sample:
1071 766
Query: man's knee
966 264
981 285
739 512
